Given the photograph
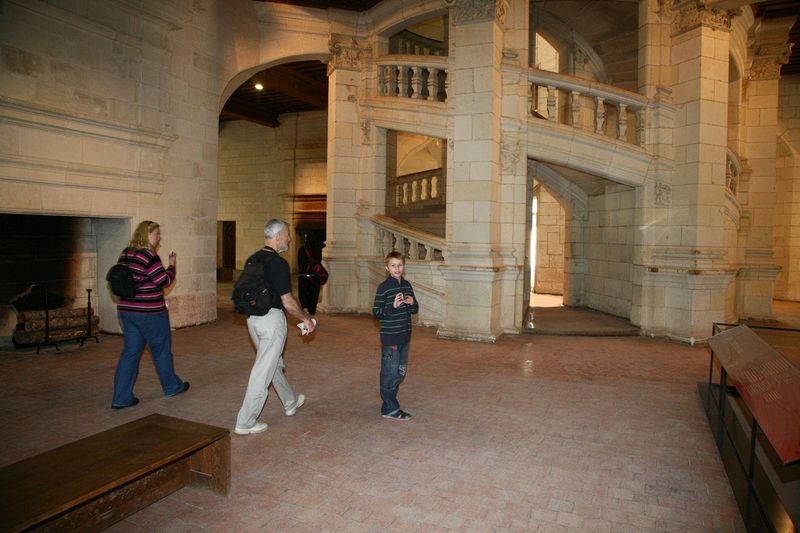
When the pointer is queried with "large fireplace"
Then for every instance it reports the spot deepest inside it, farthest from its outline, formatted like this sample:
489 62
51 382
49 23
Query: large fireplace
64 254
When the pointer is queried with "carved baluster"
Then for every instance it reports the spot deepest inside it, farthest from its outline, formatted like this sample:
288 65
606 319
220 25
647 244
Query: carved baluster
393 80
441 84
551 103
434 186
623 121
423 186
413 249
640 126
414 191
599 115
532 99
575 109
385 80
419 82
430 84
398 195
405 194
408 77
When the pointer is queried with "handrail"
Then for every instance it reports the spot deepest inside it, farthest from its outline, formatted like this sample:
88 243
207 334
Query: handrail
584 86
628 106
413 243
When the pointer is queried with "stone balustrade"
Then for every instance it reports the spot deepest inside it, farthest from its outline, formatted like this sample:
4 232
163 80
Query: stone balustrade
568 100
412 76
419 190
416 245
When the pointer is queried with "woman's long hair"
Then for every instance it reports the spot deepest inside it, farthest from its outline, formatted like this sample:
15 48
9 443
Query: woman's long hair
141 233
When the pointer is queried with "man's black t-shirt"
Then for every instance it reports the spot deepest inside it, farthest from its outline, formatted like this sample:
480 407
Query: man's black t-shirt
278 275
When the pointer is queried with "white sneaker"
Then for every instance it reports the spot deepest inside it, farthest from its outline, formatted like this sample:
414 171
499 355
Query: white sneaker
301 399
260 427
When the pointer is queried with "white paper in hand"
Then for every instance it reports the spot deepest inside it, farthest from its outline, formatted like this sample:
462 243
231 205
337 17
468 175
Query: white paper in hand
303 328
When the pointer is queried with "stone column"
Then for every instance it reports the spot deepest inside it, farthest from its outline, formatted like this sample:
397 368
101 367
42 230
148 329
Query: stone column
758 270
787 230
476 263
681 282
344 173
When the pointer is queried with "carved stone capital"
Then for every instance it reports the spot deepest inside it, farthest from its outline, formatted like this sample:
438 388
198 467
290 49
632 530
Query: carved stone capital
769 47
346 52
468 11
691 14
764 68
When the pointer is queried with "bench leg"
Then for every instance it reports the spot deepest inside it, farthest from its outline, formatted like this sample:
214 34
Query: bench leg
210 467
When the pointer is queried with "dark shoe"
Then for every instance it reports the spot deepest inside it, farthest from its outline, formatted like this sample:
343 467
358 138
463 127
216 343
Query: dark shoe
398 415
184 389
134 402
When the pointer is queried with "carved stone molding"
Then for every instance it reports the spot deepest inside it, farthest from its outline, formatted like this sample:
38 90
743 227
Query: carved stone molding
346 52
769 47
691 14
366 131
663 194
764 68
500 12
468 11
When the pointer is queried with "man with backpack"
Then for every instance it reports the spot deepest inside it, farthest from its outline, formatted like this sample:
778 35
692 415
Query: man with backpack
264 299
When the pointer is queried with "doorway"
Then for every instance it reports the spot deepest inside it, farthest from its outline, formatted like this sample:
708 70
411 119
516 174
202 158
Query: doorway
226 249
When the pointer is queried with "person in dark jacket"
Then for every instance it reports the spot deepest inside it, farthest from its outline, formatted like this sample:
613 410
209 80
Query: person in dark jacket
308 284
144 317
395 302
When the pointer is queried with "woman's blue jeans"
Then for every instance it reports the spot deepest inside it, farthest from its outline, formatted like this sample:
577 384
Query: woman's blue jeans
394 361
153 330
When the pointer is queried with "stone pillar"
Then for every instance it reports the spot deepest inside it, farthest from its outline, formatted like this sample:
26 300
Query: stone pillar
787 230
344 173
476 263
758 270
681 274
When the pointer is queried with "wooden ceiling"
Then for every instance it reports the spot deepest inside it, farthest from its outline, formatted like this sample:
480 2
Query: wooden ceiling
771 9
303 86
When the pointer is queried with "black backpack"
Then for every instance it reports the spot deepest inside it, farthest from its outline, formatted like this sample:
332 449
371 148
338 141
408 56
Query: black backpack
251 292
120 279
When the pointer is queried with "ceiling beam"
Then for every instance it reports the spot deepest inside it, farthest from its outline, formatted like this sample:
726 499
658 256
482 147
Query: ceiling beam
242 112
730 4
286 81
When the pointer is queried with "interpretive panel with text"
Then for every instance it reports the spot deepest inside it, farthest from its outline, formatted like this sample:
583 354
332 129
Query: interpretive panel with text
768 384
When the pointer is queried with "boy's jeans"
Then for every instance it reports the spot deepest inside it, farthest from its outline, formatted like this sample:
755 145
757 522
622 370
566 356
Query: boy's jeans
394 361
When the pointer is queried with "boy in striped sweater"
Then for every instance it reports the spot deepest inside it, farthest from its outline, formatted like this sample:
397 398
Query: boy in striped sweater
394 304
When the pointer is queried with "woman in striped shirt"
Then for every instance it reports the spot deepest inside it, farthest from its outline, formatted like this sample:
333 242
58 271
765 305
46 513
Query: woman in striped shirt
144 317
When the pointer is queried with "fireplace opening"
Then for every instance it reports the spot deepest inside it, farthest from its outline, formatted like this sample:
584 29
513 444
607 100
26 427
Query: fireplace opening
62 255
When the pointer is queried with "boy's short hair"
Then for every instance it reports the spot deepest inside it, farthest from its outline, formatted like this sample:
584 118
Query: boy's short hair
394 255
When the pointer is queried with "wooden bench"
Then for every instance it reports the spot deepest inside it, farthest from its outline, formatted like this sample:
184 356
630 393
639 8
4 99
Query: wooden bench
99 480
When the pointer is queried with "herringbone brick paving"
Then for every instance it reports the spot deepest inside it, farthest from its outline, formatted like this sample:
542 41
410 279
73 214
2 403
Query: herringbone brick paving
533 433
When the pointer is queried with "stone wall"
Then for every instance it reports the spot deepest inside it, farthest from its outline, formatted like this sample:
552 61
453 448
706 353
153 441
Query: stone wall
262 168
609 250
550 231
113 113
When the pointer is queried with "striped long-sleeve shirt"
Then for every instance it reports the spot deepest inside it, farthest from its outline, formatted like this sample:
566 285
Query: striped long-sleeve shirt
151 277
395 323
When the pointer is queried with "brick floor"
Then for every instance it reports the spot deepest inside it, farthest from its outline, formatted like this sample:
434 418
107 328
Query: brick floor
533 433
